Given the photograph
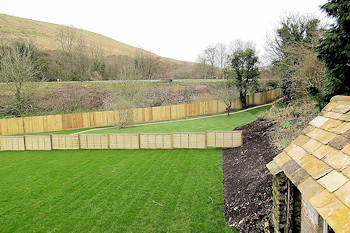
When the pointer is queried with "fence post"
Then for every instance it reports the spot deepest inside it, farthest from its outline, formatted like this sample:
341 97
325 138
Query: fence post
79 142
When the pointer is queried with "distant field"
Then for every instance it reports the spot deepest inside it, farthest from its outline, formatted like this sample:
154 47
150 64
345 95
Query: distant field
176 190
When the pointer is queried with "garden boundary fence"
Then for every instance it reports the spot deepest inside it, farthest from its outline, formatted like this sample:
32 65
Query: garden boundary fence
122 141
12 126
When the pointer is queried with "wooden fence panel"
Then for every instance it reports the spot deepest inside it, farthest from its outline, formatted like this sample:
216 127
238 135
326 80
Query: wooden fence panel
155 141
11 126
35 142
180 140
196 140
12 143
156 113
93 141
52 123
65 142
124 141
224 138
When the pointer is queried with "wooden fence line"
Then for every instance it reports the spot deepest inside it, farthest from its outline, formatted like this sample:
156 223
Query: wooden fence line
37 124
123 141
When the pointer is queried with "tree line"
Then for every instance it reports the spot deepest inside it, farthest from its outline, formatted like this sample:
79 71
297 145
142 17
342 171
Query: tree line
305 58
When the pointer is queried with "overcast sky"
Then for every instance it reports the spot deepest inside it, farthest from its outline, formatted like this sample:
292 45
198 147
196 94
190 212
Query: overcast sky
178 29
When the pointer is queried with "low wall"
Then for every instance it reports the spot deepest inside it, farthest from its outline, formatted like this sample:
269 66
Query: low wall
37 124
123 141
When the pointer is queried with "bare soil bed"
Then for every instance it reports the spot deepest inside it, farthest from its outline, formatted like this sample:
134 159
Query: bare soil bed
247 182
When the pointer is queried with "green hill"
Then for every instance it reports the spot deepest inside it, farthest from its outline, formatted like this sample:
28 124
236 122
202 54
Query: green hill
45 35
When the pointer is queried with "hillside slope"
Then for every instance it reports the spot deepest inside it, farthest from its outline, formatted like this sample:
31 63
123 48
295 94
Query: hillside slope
45 35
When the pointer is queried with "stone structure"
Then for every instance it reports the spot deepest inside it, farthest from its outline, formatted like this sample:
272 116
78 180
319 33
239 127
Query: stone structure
311 183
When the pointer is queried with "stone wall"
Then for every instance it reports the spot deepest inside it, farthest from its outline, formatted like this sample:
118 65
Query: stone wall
279 189
311 221
279 209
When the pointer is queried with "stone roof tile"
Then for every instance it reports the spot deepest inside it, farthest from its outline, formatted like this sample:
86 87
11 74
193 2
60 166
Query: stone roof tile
312 145
331 124
299 176
346 172
316 168
343 194
301 140
346 134
321 135
344 117
330 106
333 115
273 167
344 99
341 108
296 152
326 203
345 126
308 129
282 158
290 168
333 180
339 220
310 188
322 151
319 121
338 160
339 142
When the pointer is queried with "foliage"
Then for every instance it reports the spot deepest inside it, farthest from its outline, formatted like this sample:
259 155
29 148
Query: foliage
112 191
334 51
290 120
291 49
228 93
243 66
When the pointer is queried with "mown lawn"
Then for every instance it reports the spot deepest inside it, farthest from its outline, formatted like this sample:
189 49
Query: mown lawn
222 122
176 190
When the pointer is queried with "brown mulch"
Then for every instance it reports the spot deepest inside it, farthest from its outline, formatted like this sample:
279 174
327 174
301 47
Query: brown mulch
247 182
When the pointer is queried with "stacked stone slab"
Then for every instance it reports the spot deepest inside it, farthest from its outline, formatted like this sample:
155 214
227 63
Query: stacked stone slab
318 164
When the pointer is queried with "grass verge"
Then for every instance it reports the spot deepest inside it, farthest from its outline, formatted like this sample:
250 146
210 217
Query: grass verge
176 190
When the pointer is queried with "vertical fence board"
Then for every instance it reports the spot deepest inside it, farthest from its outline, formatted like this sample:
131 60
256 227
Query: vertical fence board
86 120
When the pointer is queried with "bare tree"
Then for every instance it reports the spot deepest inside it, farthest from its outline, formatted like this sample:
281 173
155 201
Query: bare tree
228 94
18 69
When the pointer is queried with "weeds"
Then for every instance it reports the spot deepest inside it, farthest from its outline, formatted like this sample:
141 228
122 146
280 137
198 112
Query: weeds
290 120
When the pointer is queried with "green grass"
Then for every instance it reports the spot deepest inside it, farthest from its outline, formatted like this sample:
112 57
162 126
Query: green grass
176 190
222 122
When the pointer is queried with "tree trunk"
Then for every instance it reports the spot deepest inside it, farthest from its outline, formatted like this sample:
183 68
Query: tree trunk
242 97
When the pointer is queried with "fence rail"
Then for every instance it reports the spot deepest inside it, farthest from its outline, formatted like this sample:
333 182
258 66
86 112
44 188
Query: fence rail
123 141
12 126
